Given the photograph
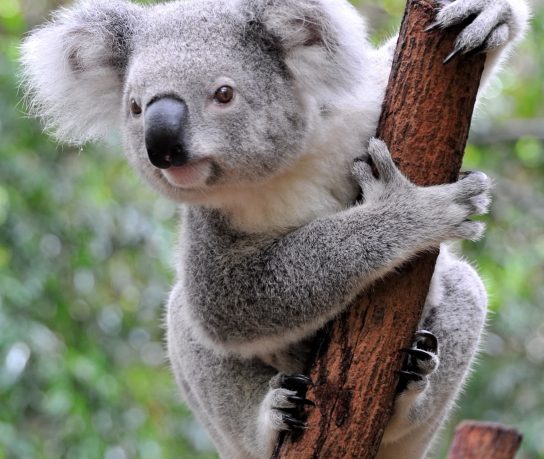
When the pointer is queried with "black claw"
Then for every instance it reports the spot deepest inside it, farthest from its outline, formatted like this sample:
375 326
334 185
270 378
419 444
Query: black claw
300 400
294 422
418 354
426 341
409 375
298 383
405 378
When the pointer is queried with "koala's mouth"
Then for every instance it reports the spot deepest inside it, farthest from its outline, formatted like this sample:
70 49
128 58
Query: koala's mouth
189 176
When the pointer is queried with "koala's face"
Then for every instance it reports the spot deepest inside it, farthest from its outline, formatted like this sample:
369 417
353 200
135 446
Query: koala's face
208 102
209 94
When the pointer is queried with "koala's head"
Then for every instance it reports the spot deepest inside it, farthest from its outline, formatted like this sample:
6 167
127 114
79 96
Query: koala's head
208 94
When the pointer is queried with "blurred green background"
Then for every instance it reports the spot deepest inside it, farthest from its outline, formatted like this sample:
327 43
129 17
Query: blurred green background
86 263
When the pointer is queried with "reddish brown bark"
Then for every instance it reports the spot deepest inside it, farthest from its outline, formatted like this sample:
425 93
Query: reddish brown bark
425 121
484 440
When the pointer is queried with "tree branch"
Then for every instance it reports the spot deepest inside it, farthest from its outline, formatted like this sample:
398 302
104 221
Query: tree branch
425 121
484 440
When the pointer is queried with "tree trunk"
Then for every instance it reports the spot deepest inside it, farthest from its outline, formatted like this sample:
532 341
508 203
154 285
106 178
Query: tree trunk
425 122
484 440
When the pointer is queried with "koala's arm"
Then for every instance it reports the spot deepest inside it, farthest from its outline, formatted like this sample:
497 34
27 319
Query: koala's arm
256 296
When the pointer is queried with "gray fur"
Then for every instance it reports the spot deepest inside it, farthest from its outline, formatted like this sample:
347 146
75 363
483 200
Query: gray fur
272 246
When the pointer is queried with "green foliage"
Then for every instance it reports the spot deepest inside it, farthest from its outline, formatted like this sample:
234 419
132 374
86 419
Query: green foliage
83 279
85 254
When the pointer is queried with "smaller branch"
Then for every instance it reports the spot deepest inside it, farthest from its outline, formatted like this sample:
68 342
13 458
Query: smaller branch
484 440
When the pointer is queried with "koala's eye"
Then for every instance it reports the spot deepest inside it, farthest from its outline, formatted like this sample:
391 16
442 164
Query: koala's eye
224 95
135 108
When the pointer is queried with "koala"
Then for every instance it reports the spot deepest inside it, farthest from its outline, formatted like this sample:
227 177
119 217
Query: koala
257 117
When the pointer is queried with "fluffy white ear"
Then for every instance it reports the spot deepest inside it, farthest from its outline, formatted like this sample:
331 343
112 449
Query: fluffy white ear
325 41
73 68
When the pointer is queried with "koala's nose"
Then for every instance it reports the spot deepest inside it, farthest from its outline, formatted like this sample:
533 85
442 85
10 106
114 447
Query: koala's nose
165 120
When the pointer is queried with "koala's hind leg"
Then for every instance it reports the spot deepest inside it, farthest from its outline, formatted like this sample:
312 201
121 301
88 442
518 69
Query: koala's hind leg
243 403
455 314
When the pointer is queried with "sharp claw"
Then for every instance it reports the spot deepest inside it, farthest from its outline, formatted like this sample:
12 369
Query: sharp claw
419 354
424 334
426 341
300 400
294 422
410 375
296 382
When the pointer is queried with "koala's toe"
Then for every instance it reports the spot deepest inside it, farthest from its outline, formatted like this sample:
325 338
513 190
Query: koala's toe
290 421
475 35
426 341
280 399
480 204
471 184
449 15
285 409
381 158
420 362
421 359
410 381
300 401
497 38
362 171
297 382
469 230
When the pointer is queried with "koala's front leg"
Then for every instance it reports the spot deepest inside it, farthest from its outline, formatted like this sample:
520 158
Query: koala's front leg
494 25
254 296
455 313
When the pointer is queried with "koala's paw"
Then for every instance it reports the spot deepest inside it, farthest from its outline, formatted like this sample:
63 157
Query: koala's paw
431 214
421 360
283 406
492 25
389 179
469 196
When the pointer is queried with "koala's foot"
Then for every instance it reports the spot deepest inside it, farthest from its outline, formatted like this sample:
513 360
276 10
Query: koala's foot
421 360
283 406
492 23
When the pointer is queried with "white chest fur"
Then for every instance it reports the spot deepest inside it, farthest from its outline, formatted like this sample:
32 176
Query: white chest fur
319 183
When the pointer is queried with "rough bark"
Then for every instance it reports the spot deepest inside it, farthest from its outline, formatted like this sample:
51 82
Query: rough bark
425 121
484 440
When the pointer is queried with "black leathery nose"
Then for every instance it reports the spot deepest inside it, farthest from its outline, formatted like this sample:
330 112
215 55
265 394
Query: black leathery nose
165 120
